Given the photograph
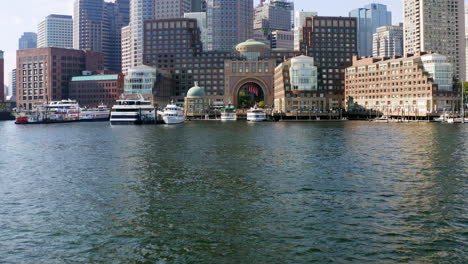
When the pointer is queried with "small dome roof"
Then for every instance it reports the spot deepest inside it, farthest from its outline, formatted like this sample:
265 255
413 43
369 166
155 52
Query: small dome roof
196 91
252 42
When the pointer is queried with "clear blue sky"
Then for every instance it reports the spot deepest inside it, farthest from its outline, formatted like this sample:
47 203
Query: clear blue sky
20 16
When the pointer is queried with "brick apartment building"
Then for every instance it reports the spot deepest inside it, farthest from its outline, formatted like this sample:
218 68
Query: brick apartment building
43 74
414 85
91 91
332 42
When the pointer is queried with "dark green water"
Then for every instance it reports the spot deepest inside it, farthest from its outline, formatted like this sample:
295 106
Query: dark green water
209 192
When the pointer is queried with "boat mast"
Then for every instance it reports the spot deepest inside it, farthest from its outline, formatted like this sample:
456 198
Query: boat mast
463 103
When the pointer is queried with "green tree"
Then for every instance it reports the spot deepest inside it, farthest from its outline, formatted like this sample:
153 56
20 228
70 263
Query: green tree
261 104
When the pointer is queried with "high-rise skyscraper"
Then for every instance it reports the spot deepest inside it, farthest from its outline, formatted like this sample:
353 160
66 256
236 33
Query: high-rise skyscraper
201 23
27 41
276 15
436 26
55 31
12 76
172 8
2 83
198 6
229 23
369 18
140 11
333 51
299 20
97 27
388 41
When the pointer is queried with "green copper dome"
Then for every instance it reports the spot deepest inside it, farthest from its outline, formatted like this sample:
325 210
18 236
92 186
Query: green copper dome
251 42
196 91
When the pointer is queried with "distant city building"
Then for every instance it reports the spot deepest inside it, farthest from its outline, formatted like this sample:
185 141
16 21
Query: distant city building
55 31
369 18
172 8
436 26
198 6
12 76
43 74
299 21
466 41
282 40
296 86
2 76
427 90
91 91
229 22
332 42
388 41
28 41
97 27
126 47
140 11
202 25
272 16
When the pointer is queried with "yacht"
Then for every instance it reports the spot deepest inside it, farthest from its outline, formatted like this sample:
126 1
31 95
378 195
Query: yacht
130 111
382 119
100 113
443 118
63 111
229 113
173 114
256 114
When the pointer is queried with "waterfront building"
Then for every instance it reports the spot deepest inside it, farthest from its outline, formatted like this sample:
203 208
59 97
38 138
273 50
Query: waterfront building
414 85
196 103
12 76
43 74
2 74
272 16
55 31
202 25
299 21
332 42
282 40
97 27
94 90
188 63
27 41
153 84
436 26
369 18
388 41
229 23
296 86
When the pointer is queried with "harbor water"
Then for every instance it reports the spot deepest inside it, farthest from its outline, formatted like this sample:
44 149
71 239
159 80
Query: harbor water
234 192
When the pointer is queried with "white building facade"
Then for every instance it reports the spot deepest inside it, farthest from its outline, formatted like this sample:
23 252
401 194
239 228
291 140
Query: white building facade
55 31
140 80
303 74
436 26
388 42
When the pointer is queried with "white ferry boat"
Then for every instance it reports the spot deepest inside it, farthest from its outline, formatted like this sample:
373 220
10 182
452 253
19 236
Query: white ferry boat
256 114
131 111
100 113
228 113
63 111
173 114
443 118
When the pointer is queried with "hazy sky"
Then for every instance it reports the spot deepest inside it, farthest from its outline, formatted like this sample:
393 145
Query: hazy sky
21 16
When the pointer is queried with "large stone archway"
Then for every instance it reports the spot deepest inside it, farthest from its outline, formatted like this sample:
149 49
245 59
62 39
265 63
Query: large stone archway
232 94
